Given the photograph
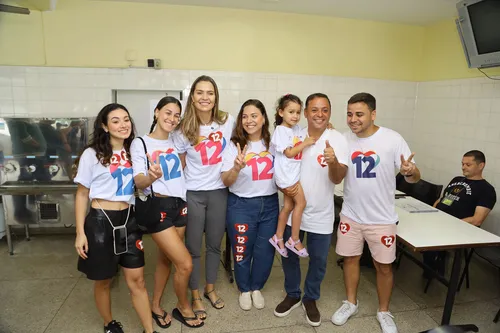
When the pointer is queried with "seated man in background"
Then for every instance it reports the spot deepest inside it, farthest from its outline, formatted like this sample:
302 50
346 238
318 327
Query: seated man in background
469 197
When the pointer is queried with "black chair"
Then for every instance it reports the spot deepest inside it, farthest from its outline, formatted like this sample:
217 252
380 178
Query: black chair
421 190
453 329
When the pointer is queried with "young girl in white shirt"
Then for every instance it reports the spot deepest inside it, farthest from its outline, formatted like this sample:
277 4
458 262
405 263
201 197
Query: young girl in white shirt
109 236
159 176
289 144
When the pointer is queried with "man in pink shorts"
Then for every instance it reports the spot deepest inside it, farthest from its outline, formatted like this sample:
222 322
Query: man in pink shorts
368 213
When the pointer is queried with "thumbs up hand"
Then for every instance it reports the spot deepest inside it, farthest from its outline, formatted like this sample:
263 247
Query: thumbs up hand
329 154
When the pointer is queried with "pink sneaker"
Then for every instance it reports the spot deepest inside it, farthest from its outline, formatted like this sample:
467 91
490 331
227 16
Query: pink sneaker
274 241
291 246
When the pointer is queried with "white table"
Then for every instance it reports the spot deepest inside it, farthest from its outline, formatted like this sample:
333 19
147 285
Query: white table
438 231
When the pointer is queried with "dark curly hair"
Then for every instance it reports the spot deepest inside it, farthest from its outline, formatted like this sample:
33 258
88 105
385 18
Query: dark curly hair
282 104
240 135
99 140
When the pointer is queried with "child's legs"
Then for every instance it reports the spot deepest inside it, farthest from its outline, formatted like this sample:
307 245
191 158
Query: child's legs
299 202
283 216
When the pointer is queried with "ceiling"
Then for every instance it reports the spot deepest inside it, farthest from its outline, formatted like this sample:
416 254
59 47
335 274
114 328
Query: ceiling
418 12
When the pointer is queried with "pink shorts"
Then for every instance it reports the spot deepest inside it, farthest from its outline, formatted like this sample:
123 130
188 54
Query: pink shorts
381 239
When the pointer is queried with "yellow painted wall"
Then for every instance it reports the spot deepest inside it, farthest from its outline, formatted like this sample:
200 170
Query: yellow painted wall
98 34
21 39
443 57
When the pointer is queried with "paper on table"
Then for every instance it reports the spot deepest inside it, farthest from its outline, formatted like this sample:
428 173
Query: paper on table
415 206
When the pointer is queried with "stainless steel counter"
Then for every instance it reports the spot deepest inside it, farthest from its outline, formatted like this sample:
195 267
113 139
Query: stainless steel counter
36 161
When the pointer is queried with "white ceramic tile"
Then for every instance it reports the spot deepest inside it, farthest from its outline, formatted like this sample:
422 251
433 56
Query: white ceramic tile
5 93
19 93
6 108
32 80
5 81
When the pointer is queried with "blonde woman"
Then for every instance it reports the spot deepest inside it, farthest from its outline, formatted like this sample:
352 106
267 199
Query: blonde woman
204 133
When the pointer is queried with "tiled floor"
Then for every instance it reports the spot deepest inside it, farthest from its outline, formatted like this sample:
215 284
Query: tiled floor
41 291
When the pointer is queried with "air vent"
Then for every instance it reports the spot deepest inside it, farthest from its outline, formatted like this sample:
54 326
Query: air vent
48 212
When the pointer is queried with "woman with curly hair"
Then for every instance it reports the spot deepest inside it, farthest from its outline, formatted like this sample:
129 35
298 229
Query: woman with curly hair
108 235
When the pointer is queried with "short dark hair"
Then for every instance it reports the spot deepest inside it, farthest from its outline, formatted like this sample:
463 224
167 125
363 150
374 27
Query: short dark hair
366 98
478 156
317 95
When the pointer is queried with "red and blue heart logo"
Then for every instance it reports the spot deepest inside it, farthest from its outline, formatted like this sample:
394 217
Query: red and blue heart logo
368 157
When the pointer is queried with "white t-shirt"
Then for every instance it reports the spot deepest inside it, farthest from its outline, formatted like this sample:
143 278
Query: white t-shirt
204 160
318 215
370 183
163 152
257 177
287 169
114 182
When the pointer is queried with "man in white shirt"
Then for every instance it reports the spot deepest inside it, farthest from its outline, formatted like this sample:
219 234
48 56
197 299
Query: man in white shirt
368 212
323 165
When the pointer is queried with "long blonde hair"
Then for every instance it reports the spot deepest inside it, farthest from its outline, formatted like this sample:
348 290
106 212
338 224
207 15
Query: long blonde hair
190 123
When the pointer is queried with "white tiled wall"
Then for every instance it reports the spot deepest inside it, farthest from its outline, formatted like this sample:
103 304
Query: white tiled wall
452 118
440 120
51 91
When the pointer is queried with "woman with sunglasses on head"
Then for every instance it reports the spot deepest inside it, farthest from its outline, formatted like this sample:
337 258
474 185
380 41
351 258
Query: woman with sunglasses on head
162 209
108 236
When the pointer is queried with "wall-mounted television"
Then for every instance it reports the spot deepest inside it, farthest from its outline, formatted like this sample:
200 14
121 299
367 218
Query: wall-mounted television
478 25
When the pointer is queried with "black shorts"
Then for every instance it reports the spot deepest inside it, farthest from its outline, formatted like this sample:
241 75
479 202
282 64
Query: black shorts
163 213
102 262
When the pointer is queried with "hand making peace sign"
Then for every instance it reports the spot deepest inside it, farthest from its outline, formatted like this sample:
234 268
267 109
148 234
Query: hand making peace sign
239 161
154 171
407 166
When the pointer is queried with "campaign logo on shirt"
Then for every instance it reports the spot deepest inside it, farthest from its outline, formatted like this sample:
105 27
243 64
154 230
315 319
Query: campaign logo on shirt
297 141
121 170
365 163
261 165
169 162
321 160
211 147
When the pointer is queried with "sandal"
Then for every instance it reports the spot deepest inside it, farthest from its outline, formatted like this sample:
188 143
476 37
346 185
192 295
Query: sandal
176 313
163 317
217 302
274 241
291 246
199 312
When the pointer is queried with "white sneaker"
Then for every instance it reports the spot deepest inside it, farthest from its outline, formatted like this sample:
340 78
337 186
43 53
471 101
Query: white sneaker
386 320
347 310
258 299
245 301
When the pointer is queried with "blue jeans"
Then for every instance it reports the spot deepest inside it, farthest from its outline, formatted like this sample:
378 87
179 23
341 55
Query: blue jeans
318 246
250 223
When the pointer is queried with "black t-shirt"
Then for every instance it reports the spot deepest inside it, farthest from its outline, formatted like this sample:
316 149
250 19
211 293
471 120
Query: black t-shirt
462 196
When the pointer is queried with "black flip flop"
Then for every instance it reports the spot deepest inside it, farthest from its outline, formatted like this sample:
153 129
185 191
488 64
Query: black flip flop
176 313
157 318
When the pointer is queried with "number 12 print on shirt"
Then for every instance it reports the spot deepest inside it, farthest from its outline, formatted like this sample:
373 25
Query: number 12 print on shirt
365 163
210 148
121 169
